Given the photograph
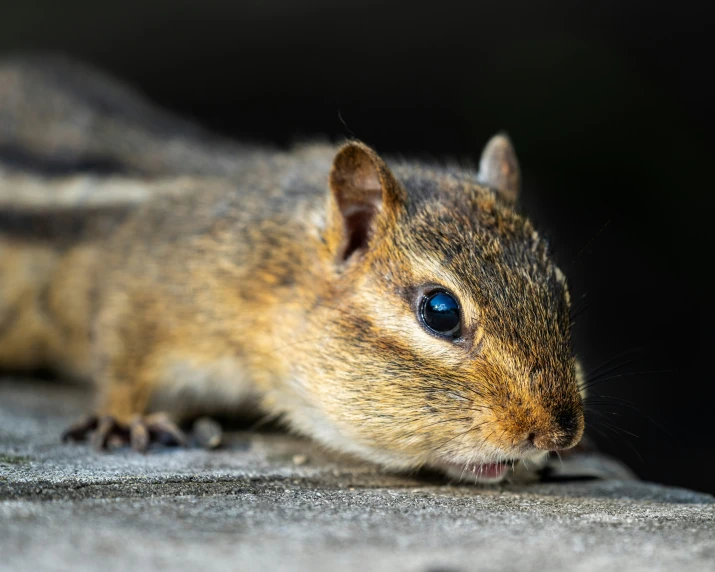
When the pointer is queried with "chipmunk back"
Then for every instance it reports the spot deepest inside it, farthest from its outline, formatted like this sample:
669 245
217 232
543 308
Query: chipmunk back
402 312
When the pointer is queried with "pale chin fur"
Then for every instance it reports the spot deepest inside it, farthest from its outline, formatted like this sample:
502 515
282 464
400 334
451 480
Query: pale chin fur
492 472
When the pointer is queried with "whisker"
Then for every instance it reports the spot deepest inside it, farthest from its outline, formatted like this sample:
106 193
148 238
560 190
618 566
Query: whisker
590 242
610 400
560 459
573 315
622 440
591 377
620 375
620 355
613 427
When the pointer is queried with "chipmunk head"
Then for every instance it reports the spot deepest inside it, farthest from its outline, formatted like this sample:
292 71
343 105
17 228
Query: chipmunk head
446 329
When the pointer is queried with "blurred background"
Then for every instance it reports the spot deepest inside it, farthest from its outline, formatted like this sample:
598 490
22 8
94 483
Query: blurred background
609 104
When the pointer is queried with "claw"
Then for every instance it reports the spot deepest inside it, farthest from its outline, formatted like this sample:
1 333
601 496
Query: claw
79 431
165 430
139 435
106 429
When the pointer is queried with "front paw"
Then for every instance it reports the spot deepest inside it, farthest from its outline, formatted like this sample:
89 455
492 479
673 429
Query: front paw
105 432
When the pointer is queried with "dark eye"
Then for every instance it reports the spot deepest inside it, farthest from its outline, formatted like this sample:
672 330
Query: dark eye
439 312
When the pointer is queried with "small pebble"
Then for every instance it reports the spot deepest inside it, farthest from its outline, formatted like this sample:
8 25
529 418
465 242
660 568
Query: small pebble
300 460
115 441
207 433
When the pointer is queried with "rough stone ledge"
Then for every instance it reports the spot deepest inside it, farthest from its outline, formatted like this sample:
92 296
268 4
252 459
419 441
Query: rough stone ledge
273 502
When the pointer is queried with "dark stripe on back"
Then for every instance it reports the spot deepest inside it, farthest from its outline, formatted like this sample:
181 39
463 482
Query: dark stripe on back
60 226
60 163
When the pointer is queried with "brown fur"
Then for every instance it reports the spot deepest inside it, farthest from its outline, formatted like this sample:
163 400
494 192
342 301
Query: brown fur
293 279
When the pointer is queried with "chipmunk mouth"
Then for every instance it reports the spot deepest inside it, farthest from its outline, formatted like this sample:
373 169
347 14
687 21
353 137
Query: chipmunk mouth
475 472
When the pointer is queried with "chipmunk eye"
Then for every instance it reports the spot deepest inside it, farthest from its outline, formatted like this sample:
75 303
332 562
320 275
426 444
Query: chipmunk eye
439 312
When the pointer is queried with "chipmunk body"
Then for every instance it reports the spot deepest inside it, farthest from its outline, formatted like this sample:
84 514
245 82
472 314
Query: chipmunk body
400 312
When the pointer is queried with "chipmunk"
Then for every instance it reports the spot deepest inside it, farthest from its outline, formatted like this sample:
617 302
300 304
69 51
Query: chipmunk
402 312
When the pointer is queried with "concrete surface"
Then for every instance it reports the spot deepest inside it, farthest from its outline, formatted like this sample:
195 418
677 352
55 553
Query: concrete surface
268 501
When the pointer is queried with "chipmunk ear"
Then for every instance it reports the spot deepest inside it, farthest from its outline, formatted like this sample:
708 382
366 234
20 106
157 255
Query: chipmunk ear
499 169
362 188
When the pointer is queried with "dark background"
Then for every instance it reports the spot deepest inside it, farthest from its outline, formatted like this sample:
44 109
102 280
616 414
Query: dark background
610 107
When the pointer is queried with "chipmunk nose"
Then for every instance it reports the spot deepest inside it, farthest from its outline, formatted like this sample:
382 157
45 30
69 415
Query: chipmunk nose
548 442
564 432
